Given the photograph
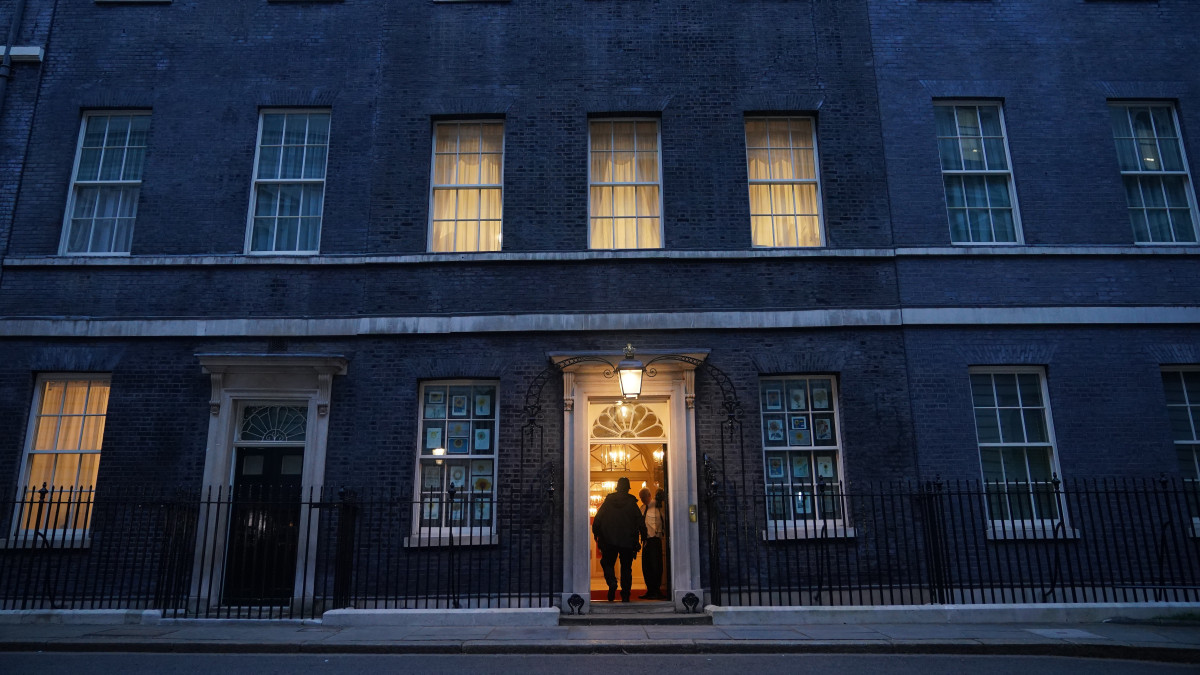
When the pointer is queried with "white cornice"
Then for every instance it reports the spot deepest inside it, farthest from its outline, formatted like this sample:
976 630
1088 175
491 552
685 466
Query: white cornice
232 260
640 321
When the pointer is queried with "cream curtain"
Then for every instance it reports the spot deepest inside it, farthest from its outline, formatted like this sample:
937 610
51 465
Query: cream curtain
781 165
467 192
65 453
624 200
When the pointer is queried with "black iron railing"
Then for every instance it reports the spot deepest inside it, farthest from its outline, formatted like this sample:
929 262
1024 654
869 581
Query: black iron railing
1116 540
283 554
278 553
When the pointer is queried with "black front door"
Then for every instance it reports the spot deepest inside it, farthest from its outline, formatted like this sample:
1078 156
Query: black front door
264 526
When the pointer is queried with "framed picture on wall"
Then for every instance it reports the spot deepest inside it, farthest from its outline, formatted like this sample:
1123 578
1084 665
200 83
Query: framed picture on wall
820 398
796 398
435 397
775 467
483 405
483 439
825 467
800 467
821 430
774 399
774 430
458 406
431 510
433 438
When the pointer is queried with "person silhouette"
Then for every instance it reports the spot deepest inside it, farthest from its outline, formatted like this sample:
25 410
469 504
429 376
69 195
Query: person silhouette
654 517
617 527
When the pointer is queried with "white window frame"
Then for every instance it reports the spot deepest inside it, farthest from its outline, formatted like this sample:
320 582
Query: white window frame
820 525
75 185
1192 495
815 181
658 182
1008 174
256 182
461 535
435 187
1026 528
1185 173
59 537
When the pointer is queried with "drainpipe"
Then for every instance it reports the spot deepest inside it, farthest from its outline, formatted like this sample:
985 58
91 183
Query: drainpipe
6 64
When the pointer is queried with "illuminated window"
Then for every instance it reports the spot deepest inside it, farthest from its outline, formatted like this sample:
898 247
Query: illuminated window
62 454
624 178
781 160
468 186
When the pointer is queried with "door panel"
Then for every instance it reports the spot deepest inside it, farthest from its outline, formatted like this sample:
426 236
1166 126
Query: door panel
264 526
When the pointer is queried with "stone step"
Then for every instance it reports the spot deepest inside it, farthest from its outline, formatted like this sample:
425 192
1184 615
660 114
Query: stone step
638 619
634 613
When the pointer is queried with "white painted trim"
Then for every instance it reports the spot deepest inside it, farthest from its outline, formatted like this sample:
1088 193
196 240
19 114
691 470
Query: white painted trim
673 383
972 316
519 323
264 260
237 378
25 54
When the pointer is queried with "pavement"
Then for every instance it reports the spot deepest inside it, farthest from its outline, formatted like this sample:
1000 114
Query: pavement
1148 640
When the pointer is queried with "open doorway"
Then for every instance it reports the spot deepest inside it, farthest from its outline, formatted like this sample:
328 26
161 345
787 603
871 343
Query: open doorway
628 440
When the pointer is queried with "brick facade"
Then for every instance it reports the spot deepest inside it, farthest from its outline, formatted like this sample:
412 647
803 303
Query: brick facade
869 71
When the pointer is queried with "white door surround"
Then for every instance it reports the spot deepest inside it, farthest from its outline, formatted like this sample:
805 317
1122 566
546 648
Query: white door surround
674 382
299 379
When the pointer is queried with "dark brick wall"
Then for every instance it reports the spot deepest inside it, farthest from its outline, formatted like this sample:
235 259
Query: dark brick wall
20 99
1106 398
1050 281
158 414
1054 65
448 288
388 69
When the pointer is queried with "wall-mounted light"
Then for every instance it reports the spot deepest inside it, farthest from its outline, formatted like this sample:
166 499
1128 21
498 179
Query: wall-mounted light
629 371
438 452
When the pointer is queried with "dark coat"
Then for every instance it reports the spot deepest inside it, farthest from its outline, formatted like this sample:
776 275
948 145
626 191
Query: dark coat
618 522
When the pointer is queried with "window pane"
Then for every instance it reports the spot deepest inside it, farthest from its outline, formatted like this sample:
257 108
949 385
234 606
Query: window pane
972 154
994 149
1182 428
944 119
1173 388
318 129
987 426
1006 390
975 188
756 133
272 129
997 188
968 120
622 136
951 158
989 120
